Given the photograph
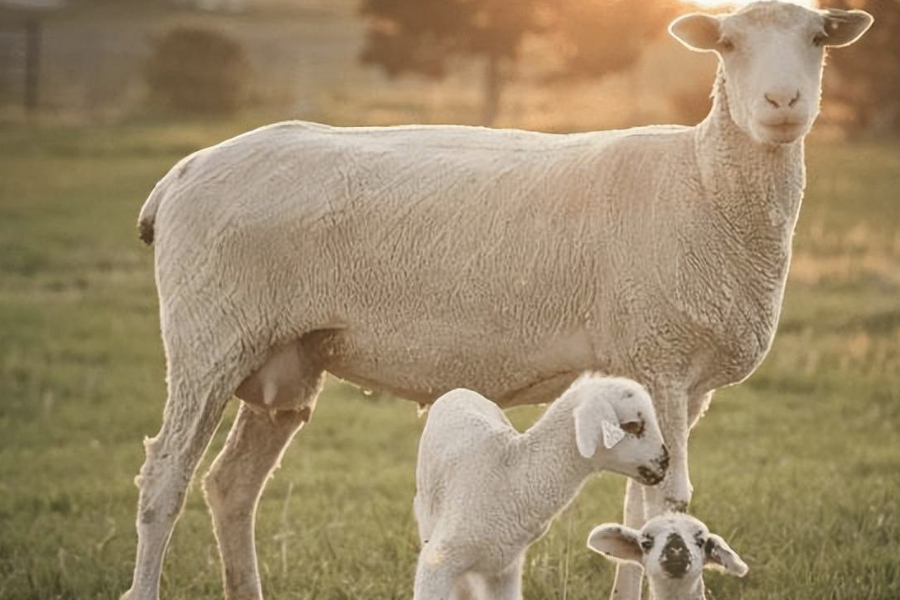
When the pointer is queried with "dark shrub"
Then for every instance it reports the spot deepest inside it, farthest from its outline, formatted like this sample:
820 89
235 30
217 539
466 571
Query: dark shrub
198 70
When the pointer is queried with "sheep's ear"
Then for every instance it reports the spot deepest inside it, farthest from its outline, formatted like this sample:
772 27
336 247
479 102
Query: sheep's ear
719 555
596 420
697 31
843 27
617 541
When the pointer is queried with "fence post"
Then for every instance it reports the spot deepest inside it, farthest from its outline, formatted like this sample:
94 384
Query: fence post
32 63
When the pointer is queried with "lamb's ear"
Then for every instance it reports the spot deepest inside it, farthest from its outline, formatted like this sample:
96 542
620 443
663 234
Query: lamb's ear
843 27
720 555
697 31
617 541
596 420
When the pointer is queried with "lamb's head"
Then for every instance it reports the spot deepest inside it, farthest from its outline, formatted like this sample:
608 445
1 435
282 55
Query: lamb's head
772 54
616 427
673 549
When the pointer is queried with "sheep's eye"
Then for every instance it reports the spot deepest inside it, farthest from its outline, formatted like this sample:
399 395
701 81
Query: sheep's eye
819 38
726 44
633 427
647 544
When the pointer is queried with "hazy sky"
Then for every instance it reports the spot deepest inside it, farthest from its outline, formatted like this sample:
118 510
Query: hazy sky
743 2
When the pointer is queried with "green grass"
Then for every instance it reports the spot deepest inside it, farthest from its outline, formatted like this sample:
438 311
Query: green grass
799 468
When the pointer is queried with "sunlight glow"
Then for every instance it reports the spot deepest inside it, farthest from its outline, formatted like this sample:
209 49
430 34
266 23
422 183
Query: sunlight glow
739 3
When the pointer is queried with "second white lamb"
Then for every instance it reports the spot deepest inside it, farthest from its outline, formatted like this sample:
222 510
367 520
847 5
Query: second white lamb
485 492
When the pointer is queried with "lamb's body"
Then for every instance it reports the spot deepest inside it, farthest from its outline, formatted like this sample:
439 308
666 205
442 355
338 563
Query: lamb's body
485 492
422 259
467 448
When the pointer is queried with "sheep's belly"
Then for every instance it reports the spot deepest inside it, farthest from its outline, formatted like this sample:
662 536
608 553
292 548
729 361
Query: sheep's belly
507 371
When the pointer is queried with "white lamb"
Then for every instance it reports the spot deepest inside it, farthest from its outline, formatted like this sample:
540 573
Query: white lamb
485 492
423 259
673 549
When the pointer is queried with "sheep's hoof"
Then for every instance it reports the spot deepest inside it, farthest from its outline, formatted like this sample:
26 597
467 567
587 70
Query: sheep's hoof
130 595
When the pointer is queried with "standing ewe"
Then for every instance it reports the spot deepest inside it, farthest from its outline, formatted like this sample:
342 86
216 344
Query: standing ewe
485 492
672 549
422 259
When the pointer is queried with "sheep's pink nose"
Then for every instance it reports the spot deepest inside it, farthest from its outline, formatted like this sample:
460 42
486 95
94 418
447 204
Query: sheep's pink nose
783 98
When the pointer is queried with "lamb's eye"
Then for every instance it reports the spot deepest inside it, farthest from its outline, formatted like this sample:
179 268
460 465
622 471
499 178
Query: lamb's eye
633 427
647 544
726 44
819 38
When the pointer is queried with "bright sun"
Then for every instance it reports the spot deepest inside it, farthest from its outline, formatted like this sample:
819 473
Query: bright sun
735 3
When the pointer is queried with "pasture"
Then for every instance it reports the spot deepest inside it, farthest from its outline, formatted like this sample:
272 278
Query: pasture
798 468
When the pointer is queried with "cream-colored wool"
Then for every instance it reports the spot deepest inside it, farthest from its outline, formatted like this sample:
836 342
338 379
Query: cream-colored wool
422 259
485 492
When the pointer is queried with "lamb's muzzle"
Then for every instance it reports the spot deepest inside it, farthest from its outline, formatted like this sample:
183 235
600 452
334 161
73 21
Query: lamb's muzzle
657 471
675 559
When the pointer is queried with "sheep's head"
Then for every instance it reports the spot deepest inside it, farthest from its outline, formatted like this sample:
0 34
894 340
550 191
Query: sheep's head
673 549
772 54
616 426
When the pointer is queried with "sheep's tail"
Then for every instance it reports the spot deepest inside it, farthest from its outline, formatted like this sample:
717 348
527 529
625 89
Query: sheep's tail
147 216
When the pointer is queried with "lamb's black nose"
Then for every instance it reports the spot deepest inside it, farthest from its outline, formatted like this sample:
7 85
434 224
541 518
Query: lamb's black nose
675 558
663 461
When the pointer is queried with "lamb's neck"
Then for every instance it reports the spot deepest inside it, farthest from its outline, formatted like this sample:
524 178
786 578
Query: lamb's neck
674 589
753 185
552 469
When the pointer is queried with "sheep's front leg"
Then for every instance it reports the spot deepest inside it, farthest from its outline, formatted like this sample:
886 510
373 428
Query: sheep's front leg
675 491
672 494
630 577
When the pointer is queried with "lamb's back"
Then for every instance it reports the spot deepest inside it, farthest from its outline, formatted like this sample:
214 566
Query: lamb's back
464 436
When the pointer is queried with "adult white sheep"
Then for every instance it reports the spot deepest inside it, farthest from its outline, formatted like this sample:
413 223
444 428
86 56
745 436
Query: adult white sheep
423 259
485 492
673 549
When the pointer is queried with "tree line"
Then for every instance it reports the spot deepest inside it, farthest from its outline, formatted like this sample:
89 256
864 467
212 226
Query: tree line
593 39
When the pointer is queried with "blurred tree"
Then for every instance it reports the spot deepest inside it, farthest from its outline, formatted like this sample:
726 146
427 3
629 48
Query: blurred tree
867 74
601 37
594 37
198 70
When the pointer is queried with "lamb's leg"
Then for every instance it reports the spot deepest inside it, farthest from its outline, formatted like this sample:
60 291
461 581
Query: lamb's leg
467 588
506 585
193 411
435 576
629 577
233 487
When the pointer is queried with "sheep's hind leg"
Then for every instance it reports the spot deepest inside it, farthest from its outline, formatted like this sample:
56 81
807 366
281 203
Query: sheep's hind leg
630 578
252 452
234 485
192 414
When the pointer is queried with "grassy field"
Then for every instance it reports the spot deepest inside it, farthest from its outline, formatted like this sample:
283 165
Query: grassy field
799 468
